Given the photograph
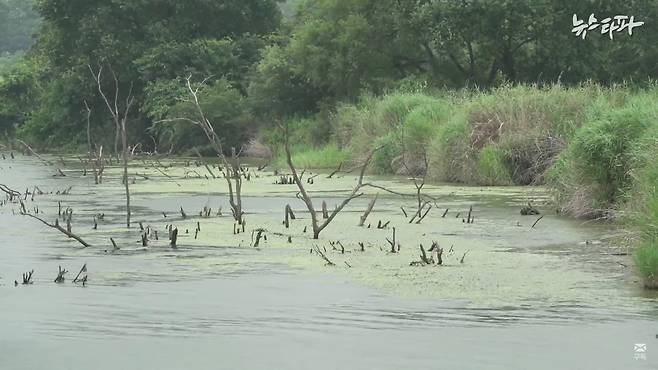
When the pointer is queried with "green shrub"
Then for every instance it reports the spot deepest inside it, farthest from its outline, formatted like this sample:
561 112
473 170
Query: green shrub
392 110
646 261
403 122
491 166
422 123
309 157
641 203
382 160
596 172
600 153
449 151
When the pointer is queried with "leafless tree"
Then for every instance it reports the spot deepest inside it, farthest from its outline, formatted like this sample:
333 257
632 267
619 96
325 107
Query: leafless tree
232 172
422 200
120 118
306 198
95 158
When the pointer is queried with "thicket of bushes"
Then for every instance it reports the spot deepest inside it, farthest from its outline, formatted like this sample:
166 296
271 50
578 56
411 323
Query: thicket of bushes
595 146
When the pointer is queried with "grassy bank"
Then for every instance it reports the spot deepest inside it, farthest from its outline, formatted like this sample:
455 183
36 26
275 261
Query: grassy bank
594 146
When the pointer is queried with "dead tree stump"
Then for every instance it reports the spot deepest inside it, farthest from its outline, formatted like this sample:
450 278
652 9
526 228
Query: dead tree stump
368 210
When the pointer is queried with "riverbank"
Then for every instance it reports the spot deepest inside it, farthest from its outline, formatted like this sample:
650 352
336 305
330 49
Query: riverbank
592 146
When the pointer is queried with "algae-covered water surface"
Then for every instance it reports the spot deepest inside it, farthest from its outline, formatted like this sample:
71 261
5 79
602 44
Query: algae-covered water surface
508 295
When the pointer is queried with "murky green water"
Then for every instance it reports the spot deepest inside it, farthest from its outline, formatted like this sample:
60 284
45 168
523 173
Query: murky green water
559 295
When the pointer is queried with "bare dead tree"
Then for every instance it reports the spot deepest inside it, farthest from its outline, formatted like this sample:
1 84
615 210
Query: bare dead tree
92 162
306 198
232 171
120 118
419 183
100 164
95 158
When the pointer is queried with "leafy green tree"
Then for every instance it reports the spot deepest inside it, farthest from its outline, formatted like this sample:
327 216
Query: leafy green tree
343 47
19 89
143 42
277 89
223 105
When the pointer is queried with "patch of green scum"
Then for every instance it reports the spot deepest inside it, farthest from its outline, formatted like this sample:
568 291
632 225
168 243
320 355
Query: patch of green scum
262 183
491 274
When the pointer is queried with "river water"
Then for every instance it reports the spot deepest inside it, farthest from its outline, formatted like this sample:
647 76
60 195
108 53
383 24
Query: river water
561 295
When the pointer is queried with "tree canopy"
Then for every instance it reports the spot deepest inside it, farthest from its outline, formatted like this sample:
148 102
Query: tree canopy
142 43
320 53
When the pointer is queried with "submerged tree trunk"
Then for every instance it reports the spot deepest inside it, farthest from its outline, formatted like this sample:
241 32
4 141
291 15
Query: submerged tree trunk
124 141
117 131
119 117
92 160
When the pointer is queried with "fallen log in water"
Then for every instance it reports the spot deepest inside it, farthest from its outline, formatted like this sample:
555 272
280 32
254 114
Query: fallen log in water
340 165
60 229
10 192
535 224
323 256
82 280
424 214
463 256
32 152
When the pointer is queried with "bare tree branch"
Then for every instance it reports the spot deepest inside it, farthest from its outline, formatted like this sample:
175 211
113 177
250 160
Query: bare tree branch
11 192
306 198
233 170
60 229
29 148
120 121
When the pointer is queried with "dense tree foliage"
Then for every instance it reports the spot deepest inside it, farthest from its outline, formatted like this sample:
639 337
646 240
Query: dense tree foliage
142 43
343 48
325 52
